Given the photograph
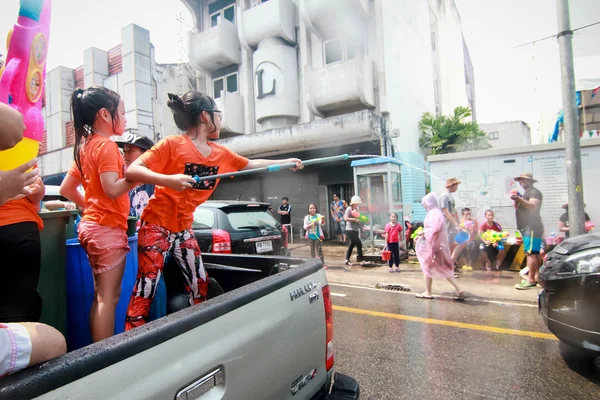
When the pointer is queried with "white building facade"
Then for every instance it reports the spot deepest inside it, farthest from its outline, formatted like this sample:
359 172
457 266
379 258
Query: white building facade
503 135
312 78
129 69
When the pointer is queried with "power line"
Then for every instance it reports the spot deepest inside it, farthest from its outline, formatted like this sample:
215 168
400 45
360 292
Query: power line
555 36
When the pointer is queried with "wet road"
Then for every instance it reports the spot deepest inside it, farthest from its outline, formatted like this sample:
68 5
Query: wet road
442 349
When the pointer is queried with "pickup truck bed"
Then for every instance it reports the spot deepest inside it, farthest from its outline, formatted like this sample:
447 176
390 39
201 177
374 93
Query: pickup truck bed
264 338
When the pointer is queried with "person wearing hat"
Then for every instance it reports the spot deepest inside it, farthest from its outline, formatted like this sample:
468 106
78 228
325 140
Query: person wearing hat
529 222
134 146
563 222
353 232
449 210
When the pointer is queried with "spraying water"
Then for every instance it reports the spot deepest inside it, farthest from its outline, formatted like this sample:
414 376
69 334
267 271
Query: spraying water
404 164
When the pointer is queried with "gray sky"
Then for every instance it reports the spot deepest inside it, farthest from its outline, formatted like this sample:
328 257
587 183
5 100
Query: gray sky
521 84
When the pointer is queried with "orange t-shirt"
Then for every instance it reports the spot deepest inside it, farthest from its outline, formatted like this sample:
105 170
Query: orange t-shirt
174 210
16 211
99 154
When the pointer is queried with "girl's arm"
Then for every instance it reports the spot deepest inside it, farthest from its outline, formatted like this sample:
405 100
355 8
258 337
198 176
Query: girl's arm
307 223
113 186
68 189
261 163
139 172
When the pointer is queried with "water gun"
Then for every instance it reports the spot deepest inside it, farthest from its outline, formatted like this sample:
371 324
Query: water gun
494 237
466 224
362 218
417 232
22 77
515 192
589 226
317 218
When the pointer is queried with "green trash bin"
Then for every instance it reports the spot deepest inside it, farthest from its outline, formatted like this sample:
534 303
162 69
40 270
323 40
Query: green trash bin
52 284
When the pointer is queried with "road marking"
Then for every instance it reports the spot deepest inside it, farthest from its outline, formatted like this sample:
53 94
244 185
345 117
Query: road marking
338 294
455 324
502 303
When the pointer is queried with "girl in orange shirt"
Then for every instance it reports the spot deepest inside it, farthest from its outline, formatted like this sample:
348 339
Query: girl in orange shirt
99 113
167 219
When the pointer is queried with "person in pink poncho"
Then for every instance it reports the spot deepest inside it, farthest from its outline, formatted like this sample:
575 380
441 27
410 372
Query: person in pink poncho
433 250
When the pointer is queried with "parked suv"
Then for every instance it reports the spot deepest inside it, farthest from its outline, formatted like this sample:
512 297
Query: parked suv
570 300
239 227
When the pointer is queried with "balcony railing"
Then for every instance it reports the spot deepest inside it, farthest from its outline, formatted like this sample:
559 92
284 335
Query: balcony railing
216 47
341 86
274 18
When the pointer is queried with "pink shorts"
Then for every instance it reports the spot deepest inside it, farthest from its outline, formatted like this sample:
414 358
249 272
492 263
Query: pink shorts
15 348
106 247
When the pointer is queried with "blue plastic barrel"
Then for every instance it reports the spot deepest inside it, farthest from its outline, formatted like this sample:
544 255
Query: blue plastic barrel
80 293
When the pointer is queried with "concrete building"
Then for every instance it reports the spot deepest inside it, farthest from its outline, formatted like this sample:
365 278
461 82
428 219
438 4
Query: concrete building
129 69
312 78
453 73
504 135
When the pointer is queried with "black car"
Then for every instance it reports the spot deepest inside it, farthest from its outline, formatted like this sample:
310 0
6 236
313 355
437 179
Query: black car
239 227
570 301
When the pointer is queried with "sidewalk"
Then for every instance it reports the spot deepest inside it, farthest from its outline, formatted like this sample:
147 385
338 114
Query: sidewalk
478 284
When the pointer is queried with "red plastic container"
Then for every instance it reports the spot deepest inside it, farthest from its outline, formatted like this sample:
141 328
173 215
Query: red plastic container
386 255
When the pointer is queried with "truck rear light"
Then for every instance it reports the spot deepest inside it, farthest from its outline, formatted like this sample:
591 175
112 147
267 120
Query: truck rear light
328 328
285 236
221 242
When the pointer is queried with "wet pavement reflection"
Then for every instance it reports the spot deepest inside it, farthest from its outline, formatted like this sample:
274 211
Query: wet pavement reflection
405 359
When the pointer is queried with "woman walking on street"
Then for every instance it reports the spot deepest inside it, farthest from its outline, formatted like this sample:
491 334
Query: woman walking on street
353 232
433 250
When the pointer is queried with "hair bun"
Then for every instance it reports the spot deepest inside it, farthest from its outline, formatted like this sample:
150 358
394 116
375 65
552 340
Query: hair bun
175 102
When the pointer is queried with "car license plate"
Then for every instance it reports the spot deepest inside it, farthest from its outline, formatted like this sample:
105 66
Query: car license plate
264 247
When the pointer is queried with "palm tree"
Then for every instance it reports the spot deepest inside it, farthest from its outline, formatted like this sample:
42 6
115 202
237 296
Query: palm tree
449 134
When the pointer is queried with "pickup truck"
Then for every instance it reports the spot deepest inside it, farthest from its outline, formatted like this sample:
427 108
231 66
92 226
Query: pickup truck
265 332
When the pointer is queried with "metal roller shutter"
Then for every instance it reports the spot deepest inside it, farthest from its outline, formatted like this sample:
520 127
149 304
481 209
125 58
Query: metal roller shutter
302 188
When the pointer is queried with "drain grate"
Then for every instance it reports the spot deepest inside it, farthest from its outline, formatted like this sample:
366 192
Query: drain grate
393 288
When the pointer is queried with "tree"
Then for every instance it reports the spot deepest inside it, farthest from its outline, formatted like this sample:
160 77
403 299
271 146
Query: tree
449 134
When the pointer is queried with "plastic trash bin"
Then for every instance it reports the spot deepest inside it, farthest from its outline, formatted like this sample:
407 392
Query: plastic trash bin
80 293
52 281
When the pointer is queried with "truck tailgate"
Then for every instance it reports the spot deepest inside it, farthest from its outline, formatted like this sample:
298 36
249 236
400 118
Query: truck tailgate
265 340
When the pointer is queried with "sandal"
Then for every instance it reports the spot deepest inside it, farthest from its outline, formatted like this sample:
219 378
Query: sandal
424 296
348 263
460 296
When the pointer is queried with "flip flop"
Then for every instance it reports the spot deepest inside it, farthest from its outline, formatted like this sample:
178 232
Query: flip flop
423 296
460 296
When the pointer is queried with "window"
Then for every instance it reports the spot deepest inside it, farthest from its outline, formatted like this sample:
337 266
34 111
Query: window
343 49
333 51
221 9
225 79
436 92
228 83
204 218
493 136
254 219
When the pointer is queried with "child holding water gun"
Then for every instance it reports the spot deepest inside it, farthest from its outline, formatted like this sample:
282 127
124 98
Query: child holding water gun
313 225
493 254
469 228
175 165
393 231
98 114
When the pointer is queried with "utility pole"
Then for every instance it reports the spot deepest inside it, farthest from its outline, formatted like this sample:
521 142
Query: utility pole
571 120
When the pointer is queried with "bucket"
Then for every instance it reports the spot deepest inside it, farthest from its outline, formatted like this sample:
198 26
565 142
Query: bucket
386 255
461 237
80 293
